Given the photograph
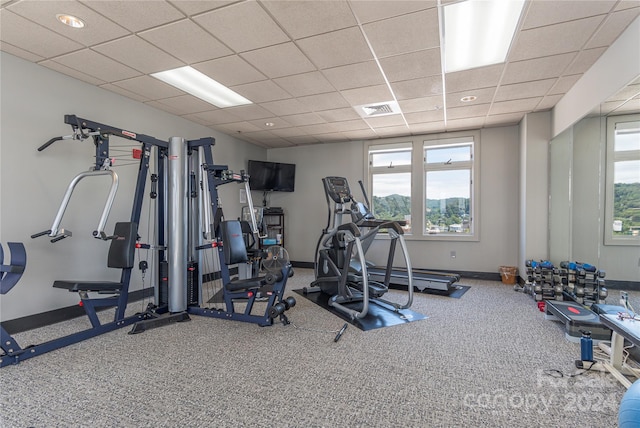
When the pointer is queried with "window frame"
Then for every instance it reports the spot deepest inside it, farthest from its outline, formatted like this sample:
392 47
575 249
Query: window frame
400 146
417 169
468 138
611 158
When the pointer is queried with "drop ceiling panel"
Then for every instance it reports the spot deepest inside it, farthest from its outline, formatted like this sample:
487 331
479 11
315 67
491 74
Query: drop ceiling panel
304 119
135 15
243 26
71 72
194 7
118 90
542 13
477 110
614 25
308 62
149 87
186 104
139 54
328 101
584 60
216 117
368 11
96 65
230 71
186 41
536 88
563 84
370 94
402 34
337 48
249 112
548 102
279 60
259 92
483 96
537 69
305 84
483 77
354 75
21 53
523 105
417 88
499 119
385 121
424 117
339 114
285 107
33 38
554 39
425 104
412 65
44 13
304 19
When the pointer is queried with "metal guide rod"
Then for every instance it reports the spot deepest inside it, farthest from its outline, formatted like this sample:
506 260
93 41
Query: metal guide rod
205 197
177 221
67 196
254 223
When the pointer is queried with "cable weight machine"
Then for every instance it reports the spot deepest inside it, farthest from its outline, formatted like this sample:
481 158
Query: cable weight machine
189 220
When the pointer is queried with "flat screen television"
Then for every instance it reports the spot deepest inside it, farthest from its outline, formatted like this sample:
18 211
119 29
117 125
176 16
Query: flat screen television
271 176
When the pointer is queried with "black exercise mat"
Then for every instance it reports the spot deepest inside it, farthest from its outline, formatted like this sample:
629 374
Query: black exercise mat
378 315
456 294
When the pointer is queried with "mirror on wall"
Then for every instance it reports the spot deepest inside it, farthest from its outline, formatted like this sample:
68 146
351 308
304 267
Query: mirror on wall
589 197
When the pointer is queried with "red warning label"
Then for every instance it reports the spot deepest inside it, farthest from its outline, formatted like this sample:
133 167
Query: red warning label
129 134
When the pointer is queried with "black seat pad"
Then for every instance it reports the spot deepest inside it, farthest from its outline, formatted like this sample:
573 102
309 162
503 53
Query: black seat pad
244 284
99 286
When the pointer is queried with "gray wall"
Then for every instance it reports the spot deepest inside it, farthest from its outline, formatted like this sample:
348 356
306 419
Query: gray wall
34 102
498 244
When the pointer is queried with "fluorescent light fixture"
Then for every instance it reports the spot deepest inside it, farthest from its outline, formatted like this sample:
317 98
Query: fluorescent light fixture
478 32
202 86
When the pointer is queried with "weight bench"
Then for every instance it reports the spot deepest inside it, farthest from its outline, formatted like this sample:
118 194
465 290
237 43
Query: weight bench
121 256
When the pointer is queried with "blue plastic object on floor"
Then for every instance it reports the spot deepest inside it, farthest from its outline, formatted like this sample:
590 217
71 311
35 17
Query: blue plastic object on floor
629 412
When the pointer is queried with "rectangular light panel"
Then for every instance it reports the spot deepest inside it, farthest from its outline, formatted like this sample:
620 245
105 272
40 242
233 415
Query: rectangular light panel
478 32
202 86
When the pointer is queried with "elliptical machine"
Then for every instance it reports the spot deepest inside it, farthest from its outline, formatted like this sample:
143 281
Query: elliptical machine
341 268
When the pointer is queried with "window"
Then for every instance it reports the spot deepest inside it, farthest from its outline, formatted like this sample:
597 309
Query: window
622 215
390 179
448 178
431 183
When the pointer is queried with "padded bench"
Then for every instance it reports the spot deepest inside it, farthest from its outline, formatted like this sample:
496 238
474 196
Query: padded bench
95 286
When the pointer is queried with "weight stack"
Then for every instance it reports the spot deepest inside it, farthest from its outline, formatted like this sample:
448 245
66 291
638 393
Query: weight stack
192 284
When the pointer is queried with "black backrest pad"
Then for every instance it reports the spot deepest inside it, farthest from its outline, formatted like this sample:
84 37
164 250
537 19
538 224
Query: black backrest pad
233 245
123 245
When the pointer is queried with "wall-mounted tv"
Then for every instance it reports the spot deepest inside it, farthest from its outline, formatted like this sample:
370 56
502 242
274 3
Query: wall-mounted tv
271 176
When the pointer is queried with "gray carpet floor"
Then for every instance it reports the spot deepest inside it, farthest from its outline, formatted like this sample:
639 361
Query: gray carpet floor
475 361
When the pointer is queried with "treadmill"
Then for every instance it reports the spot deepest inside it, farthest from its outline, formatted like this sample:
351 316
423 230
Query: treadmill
423 279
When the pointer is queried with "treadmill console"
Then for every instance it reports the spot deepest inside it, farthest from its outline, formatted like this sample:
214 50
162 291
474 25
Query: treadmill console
337 188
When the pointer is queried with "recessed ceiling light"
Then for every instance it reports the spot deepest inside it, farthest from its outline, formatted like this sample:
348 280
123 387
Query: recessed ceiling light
202 86
70 20
468 98
269 124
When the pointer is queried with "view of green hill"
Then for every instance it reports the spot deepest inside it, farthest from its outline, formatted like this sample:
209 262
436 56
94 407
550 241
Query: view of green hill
397 207
627 205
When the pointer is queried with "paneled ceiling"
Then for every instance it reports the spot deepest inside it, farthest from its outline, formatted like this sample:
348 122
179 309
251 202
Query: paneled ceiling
305 65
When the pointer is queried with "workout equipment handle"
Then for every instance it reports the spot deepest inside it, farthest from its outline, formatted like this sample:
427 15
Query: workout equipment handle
36 235
50 142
